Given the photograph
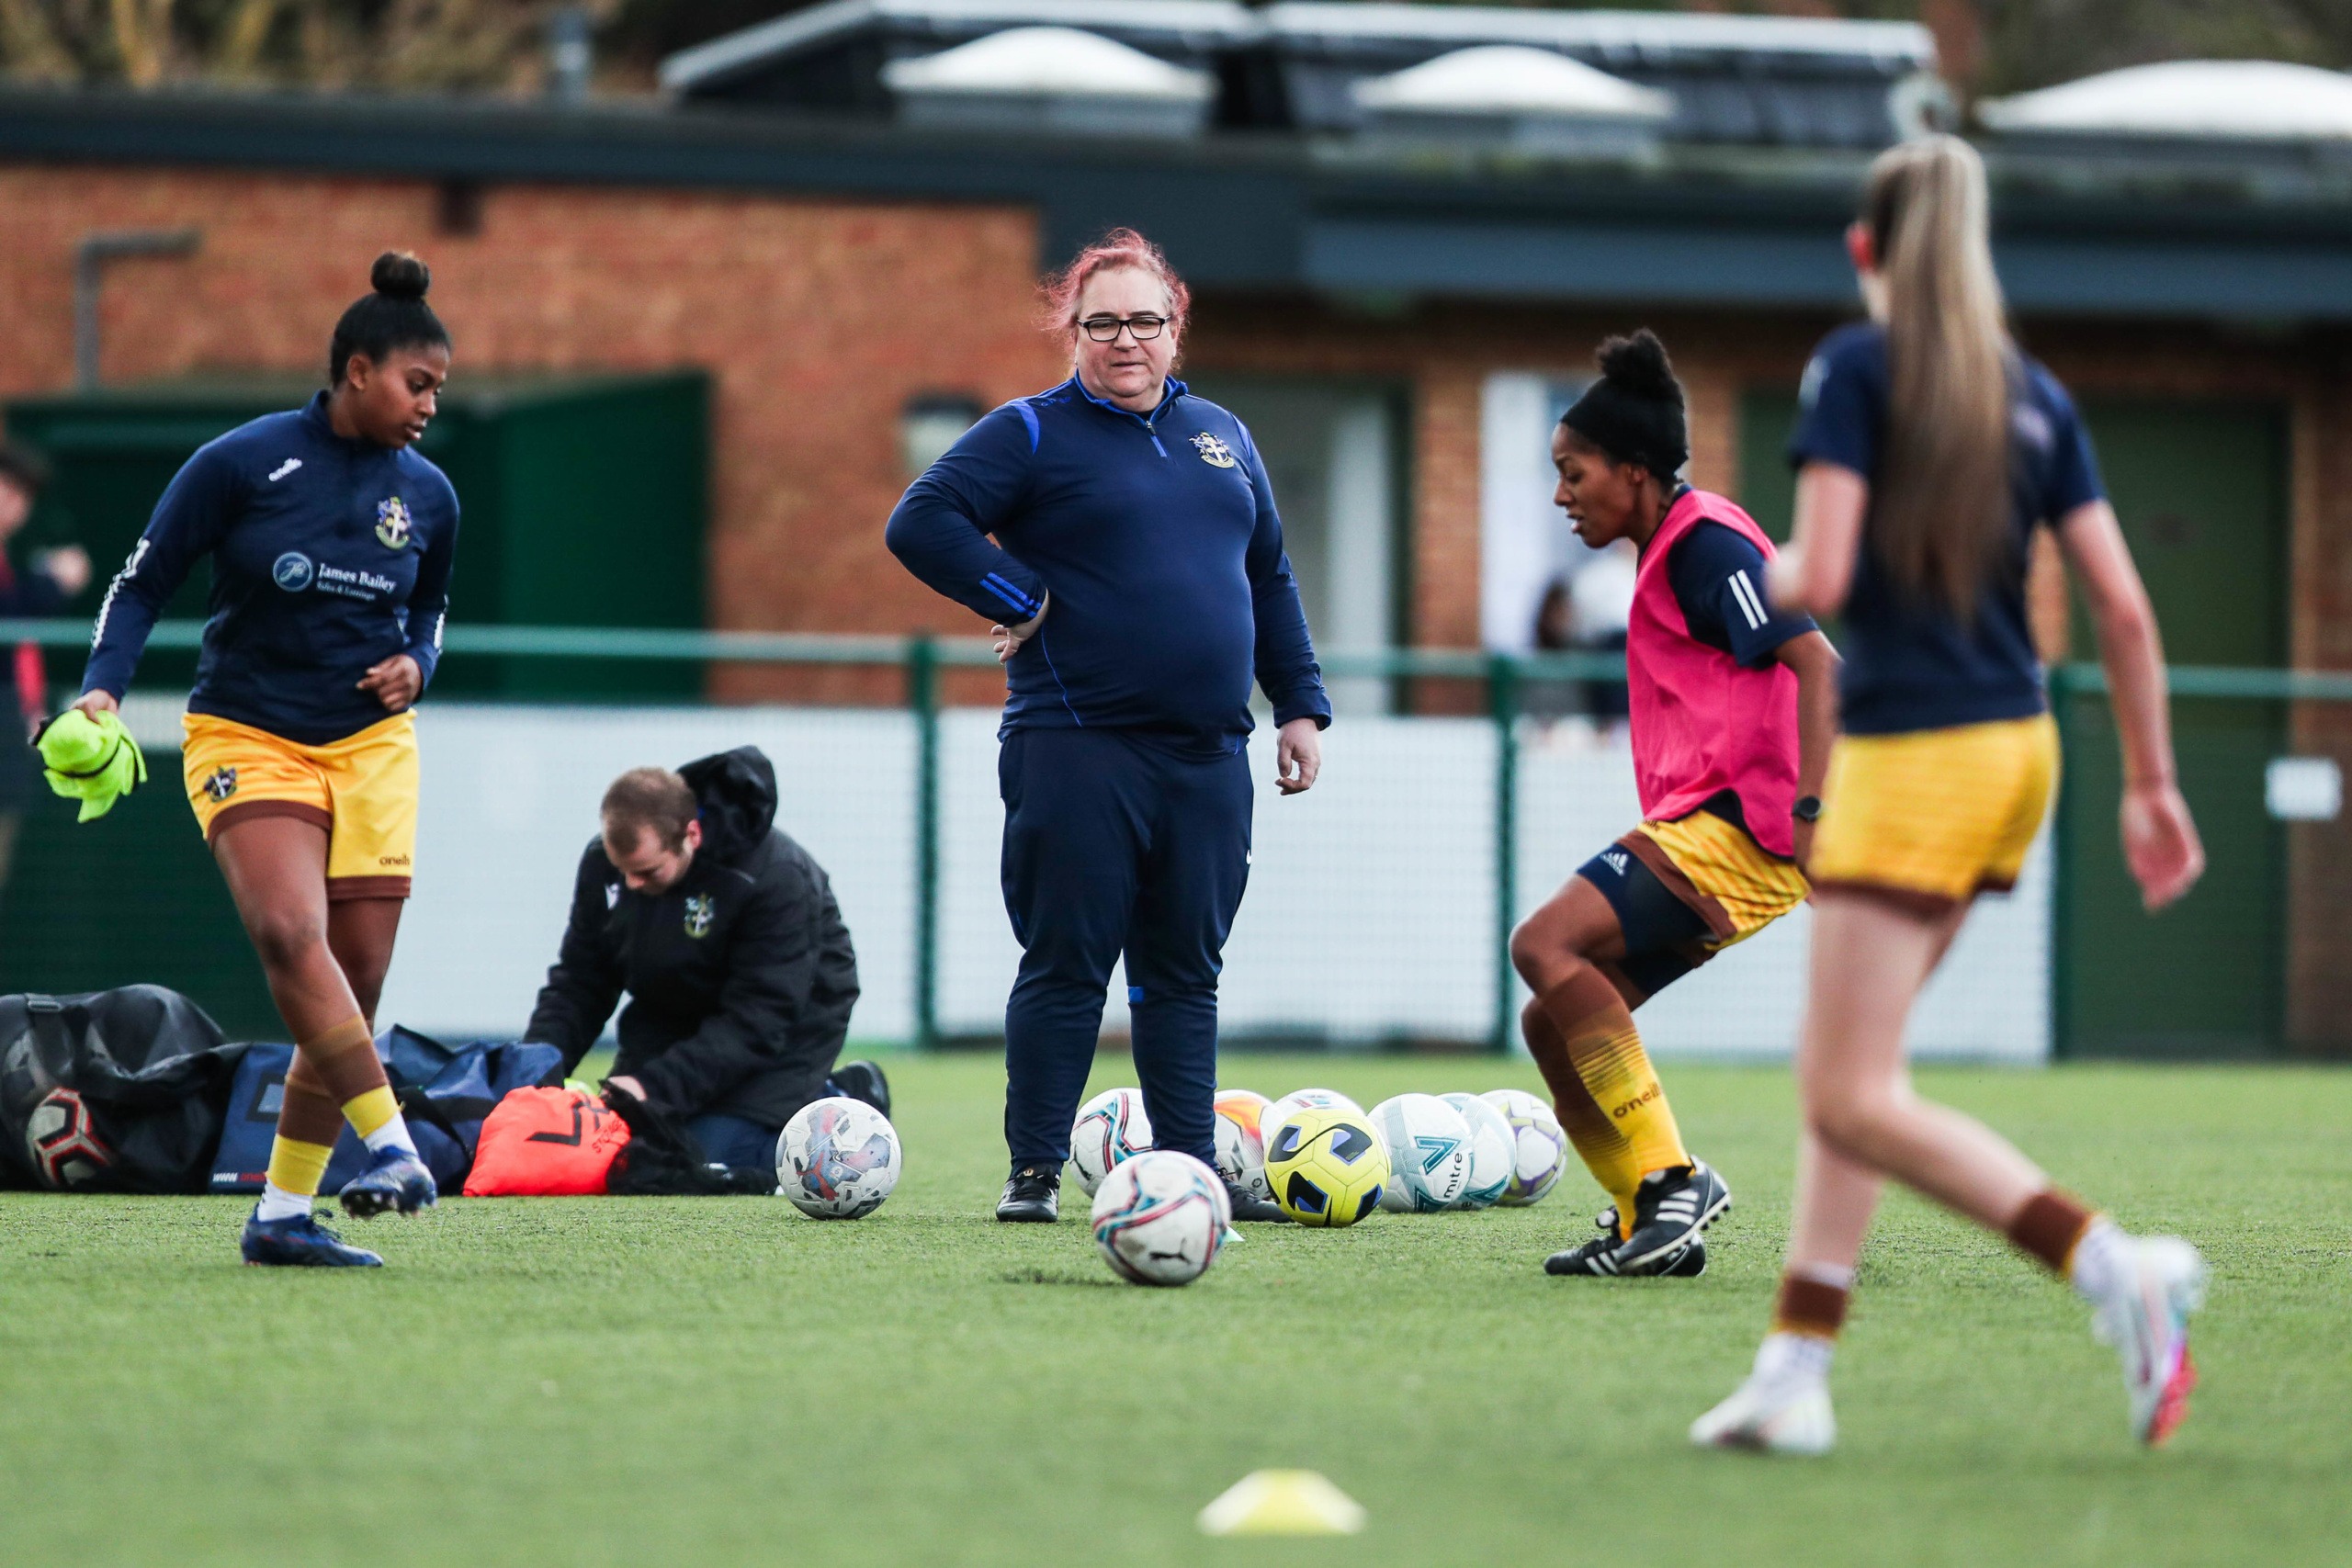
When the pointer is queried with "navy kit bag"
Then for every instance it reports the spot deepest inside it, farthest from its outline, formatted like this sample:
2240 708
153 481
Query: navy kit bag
445 1092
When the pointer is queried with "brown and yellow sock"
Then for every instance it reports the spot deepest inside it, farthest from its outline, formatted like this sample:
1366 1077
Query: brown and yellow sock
346 1061
308 1123
1810 1304
1630 1130
2049 1228
1604 1150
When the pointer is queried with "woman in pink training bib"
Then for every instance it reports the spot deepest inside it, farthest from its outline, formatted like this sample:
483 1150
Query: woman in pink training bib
1733 711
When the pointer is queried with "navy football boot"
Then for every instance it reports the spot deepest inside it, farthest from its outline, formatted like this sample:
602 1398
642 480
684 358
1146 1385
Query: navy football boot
394 1178
298 1241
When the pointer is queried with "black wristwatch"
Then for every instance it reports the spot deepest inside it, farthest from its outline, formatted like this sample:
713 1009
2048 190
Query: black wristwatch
1807 808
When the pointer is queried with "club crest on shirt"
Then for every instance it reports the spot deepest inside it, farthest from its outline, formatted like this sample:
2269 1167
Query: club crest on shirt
1214 452
221 784
698 916
393 522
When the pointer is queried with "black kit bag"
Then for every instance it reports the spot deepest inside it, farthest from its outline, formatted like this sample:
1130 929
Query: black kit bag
662 1160
114 1091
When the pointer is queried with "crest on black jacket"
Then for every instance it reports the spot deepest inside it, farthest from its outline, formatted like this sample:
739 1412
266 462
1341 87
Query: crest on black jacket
699 912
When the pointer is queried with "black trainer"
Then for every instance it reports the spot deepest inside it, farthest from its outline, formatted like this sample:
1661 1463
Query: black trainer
864 1080
1585 1259
1688 1264
1599 1258
1671 1210
1248 1206
1032 1196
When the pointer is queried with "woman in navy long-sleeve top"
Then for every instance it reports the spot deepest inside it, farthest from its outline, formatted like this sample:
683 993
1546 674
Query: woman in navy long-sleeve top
1137 579
331 542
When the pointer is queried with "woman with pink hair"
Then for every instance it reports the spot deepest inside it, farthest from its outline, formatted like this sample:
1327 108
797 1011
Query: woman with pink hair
1121 535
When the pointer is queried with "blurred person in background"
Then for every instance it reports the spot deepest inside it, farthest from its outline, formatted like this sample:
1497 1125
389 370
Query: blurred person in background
1600 608
724 933
47 581
1139 584
331 542
1930 452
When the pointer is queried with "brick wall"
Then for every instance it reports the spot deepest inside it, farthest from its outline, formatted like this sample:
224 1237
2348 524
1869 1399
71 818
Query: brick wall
816 320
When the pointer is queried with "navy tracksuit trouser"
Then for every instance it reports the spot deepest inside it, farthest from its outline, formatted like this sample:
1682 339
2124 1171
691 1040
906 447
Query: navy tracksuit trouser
1116 844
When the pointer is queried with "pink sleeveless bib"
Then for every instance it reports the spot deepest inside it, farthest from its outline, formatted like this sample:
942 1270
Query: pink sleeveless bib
1701 722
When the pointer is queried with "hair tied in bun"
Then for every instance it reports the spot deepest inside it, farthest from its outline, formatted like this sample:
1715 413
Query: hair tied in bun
398 275
393 316
1639 365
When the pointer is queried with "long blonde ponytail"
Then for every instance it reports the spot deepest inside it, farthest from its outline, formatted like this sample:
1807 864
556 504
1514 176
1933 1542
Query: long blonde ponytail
1941 518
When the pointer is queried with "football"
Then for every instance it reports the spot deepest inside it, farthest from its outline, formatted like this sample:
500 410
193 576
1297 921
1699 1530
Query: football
1110 1128
64 1141
837 1159
1327 1166
1428 1145
1492 1151
1539 1148
1241 1142
1160 1218
1301 1100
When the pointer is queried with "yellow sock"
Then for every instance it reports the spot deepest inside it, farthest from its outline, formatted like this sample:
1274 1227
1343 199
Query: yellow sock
297 1168
1625 1129
1604 1150
1609 1100
370 1111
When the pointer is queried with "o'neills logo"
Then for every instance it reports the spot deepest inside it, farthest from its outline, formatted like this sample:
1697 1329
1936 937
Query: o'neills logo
1622 1112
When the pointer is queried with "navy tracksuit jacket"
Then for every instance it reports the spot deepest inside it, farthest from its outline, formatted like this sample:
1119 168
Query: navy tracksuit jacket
1126 788
329 555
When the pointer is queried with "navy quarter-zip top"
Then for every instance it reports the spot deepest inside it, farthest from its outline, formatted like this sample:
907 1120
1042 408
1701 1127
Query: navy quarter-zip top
329 555
1158 539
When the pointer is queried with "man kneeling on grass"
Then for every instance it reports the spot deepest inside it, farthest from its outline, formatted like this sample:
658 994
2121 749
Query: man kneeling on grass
725 935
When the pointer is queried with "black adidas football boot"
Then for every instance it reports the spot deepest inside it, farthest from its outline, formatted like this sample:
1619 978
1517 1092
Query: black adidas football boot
864 1080
1033 1195
1249 1207
1597 1259
1585 1259
1671 1210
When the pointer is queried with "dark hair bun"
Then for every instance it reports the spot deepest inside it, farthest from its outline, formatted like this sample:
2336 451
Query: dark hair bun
1639 365
398 275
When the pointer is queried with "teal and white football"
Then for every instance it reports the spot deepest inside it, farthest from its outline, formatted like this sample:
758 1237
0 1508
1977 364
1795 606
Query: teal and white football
1429 1152
1493 1152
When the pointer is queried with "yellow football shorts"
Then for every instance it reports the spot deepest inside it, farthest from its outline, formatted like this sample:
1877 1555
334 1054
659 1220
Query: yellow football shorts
1711 864
361 789
1936 816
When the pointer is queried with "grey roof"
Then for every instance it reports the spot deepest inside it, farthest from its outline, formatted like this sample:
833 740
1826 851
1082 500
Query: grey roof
1769 80
1699 226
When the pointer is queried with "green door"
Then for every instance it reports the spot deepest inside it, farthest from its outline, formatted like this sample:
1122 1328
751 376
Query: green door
1767 486
2201 489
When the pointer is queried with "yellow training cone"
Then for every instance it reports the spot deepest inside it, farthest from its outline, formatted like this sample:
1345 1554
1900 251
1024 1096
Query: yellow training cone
1282 1502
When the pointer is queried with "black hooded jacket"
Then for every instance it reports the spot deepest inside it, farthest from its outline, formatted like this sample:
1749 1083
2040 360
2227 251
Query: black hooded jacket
740 977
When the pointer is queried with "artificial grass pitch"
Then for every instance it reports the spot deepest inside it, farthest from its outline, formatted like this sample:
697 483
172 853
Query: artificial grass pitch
718 1381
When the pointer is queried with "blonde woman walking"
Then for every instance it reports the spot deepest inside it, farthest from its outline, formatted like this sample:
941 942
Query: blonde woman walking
1929 451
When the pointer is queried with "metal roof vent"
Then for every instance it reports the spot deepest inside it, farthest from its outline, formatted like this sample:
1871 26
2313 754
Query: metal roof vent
2223 100
1516 98
1048 78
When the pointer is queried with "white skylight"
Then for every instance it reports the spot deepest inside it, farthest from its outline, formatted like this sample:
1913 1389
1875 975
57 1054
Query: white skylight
1506 79
1048 60
2254 99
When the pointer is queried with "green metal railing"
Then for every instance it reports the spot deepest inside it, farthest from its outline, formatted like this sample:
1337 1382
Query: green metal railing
1463 682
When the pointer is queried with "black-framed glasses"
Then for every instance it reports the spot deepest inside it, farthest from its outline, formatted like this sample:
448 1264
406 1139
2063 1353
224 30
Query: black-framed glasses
1105 329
